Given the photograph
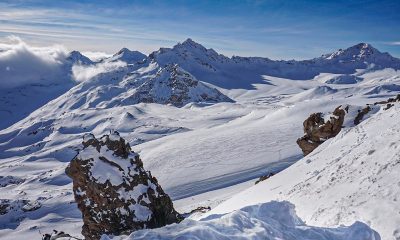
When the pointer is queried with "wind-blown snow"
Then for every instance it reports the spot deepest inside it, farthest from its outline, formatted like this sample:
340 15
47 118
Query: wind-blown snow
273 220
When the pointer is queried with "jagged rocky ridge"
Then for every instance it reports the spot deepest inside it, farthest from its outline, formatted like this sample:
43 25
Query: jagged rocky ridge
114 192
173 85
319 127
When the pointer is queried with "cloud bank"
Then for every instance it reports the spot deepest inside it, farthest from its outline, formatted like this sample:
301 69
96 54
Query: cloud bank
22 64
83 73
96 56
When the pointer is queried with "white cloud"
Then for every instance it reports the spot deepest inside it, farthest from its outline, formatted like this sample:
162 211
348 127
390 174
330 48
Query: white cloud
22 64
394 43
82 73
96 56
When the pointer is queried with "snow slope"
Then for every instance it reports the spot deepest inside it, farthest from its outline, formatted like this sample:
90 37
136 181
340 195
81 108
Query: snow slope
351 177
273 220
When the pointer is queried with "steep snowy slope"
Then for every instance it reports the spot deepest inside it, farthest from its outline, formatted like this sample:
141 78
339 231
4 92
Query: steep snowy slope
351 177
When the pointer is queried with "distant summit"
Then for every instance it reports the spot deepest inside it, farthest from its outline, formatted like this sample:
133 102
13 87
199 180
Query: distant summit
127 56
75 57
362 53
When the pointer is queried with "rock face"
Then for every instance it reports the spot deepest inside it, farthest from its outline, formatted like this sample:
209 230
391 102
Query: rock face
114 192
173 85
317 130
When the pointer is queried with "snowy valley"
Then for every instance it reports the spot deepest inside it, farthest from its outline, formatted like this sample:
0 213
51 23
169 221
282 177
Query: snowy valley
207 127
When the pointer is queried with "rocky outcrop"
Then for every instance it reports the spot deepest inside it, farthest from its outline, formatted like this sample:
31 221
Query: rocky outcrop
114 192
317 130
264 177
8 180
390 102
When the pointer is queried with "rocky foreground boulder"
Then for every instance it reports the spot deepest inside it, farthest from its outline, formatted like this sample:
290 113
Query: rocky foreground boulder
317 130
319 127
114 192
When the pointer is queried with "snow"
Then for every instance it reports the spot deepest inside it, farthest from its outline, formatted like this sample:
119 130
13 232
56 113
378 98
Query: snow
135 193
142 213
202 153
351 177
273 220
344 79
115 173
127 56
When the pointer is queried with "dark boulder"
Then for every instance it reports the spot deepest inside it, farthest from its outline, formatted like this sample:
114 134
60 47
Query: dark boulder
316 130
114 192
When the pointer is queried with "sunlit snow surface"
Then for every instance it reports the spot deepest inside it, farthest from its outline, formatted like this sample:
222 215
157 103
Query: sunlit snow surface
272 220
351 177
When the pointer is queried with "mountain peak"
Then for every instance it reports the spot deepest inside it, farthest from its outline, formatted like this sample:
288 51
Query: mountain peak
359 51
128 56
122 51
363 47
77 57
189 43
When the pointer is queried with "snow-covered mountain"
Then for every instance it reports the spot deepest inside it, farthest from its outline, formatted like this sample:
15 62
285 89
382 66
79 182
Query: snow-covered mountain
361 53
207 126
127 56
171 85
76 57
209 66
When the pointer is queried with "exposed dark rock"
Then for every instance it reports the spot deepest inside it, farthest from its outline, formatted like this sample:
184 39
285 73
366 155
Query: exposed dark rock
200 209
317 130
361 114
18 206
8 180
58 235
114 192
264 177
173 85
390 100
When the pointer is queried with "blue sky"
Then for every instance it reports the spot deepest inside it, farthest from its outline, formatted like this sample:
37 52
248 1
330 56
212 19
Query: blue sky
271 28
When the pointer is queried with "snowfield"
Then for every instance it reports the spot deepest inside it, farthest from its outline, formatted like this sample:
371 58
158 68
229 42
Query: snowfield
204 149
